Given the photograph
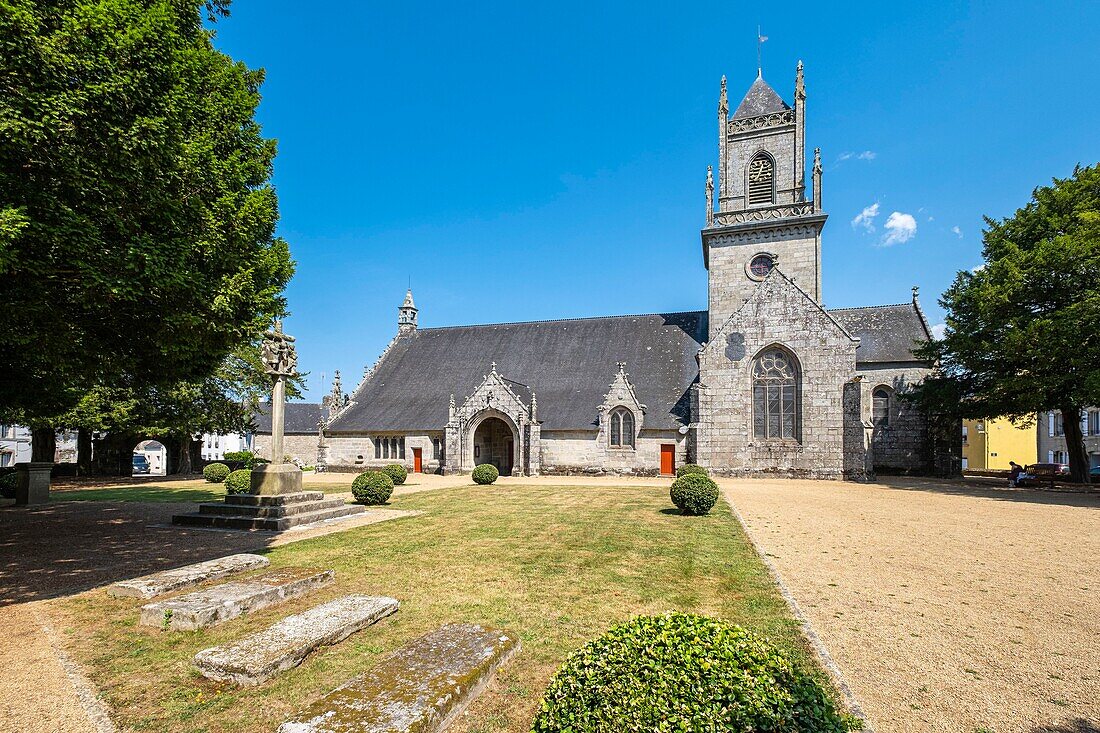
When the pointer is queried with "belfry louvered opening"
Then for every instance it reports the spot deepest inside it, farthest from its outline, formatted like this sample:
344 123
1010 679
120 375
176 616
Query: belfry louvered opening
761 180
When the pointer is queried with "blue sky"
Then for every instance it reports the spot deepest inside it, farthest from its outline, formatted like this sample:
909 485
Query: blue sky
523 162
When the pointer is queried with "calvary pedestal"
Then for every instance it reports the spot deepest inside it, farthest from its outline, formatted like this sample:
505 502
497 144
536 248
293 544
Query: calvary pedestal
276 500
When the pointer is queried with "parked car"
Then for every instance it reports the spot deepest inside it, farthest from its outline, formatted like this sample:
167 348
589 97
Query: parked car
1038 474
1094 472
141 464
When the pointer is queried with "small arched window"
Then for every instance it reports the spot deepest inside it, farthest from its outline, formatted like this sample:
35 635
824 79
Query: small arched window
775 401
622 428
880 407
761 180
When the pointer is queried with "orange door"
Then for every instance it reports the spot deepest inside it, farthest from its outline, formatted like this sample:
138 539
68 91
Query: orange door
418 461
668 460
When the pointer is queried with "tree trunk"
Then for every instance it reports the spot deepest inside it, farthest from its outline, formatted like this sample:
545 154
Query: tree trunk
43 445
184 465
1075 445
83 452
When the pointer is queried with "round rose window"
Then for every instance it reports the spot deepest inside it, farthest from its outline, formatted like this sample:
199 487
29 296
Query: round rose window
761 265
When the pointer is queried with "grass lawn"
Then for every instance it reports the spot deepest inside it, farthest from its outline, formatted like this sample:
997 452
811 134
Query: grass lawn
556 565
179 491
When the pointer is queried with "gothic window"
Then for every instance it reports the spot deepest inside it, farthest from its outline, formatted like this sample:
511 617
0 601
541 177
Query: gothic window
775 396
761 180
880 407
385 447
622 428
436 448
377 447
401 448
761 265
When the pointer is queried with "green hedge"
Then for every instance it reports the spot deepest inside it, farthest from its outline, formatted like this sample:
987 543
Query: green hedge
215 473
239 482
396 472
486 473
682 672
372 487
7 484
694 493
687 468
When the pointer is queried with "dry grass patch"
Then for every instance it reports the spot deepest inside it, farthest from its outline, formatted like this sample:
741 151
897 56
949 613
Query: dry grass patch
557 565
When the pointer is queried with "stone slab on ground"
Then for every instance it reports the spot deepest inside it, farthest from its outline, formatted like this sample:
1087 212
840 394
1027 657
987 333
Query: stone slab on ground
166 581
279 647
223 602
422 687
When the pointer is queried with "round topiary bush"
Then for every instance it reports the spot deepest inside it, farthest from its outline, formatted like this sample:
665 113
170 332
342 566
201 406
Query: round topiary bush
238 482
680 672
687 468
372 487
397 472
215 473
486 473
694 493
7 484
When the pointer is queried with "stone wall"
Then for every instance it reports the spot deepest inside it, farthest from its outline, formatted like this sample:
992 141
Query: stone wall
779 142
355 452
587 451
901 445
776 314
300 446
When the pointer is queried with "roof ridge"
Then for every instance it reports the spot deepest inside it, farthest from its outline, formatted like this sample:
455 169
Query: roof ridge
562 320
869 307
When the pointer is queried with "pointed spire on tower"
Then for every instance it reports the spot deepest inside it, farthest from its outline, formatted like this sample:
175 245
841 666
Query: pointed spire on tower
723 101
406 314
799 83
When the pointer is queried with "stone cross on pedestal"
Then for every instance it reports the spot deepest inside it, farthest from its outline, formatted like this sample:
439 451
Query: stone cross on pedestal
280 361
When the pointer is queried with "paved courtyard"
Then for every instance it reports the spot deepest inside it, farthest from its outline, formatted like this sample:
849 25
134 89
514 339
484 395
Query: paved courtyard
946 607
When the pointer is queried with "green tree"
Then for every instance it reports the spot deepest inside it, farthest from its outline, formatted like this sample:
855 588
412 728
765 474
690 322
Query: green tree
1023 331
137 220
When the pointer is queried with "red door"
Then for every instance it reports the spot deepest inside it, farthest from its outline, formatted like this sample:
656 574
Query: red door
418 461
668 460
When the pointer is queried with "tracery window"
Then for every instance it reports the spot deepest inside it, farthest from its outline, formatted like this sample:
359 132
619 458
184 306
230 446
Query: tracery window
622 428
880 407
761 180
775 408
761 265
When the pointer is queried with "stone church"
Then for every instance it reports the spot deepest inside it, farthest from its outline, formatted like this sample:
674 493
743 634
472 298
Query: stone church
765 381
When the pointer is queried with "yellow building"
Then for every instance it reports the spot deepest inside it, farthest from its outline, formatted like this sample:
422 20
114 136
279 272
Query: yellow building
991 444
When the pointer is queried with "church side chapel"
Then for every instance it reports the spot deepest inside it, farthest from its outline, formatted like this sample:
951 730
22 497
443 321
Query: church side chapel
765 381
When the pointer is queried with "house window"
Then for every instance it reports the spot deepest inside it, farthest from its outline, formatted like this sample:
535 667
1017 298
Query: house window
401 447
761 180
775 396
622 428
880 407
966 434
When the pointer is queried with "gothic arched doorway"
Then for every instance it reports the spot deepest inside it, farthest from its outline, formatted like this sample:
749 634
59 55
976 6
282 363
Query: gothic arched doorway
495 443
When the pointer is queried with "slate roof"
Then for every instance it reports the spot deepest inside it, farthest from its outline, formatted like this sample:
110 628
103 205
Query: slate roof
887 332
761 99
568 364
300 418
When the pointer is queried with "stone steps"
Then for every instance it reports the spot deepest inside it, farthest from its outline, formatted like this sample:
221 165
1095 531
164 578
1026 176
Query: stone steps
254 517
274 499
279 647
423 686
221 603
270 511
166 581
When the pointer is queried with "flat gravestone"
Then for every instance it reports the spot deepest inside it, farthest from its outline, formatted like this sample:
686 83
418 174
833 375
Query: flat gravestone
264 654
222 602
420 688
157 584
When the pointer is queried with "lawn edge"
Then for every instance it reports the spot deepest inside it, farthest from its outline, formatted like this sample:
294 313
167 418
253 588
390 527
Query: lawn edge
820 651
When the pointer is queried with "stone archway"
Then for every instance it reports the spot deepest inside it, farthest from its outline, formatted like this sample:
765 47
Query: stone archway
495 442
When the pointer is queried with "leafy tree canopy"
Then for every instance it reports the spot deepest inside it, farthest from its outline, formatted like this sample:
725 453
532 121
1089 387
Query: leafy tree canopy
137 220
1022 332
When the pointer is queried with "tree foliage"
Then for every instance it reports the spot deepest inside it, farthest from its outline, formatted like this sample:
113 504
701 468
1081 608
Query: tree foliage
1022 332
137 245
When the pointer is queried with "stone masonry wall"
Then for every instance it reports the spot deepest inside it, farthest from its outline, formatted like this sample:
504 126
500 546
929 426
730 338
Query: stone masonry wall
351 452
587 451
302 447
776 314
740 150
900 445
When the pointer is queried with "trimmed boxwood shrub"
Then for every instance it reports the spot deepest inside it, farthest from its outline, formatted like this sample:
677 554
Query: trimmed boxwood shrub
215 473
682 672
687 468
694 493
397 472
238 482
372 487
486 473
7 484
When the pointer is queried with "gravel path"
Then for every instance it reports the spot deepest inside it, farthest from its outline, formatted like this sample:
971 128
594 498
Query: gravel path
947 608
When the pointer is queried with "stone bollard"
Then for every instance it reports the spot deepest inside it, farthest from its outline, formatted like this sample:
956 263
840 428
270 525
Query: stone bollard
32 483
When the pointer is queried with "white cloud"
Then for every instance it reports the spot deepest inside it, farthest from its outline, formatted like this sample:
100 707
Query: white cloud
867 155
958 232
978 268
866 218
900 228
843 157
848 155
938 330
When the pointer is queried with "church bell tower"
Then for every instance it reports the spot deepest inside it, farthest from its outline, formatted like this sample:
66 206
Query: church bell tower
764 217
406 315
